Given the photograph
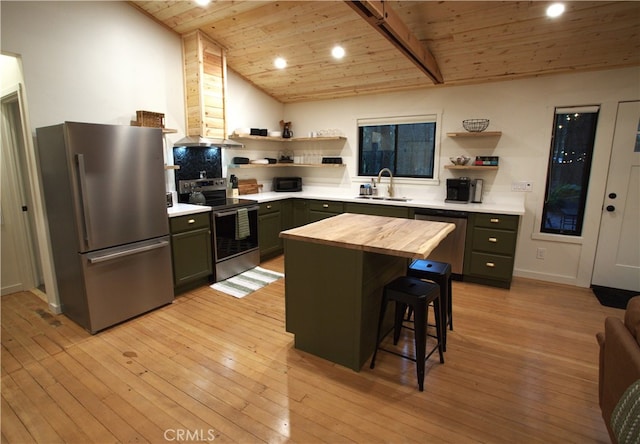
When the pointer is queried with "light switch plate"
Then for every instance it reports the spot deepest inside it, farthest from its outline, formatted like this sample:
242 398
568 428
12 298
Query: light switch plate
522 186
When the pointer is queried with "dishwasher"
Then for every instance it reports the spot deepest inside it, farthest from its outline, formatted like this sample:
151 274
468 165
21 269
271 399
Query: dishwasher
451 249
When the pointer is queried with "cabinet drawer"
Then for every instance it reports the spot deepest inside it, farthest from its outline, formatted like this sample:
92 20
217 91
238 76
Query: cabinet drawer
376 210
326 206
491 266
189 222
269 207
494 241
499 221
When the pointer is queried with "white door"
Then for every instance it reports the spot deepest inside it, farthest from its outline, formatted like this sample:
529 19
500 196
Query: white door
617 263
18 272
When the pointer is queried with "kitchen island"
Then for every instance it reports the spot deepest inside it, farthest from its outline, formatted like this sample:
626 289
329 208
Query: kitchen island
335 271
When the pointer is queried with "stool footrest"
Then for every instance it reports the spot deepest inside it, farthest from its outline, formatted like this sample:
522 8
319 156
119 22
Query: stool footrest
410 358
417 294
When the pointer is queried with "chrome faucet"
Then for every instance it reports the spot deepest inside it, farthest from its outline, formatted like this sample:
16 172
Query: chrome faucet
390 187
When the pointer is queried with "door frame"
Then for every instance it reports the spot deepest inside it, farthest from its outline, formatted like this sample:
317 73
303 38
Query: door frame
605 199
31 175
14 197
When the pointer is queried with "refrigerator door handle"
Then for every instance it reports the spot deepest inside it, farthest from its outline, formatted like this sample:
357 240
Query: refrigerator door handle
85 204
123 253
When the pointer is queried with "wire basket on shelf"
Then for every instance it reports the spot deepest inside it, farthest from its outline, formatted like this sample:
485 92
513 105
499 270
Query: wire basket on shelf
475 125
149 119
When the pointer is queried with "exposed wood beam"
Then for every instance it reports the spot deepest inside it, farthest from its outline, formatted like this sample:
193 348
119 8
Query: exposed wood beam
385 20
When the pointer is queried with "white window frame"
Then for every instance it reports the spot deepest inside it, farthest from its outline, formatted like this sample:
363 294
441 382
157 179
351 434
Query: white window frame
403 119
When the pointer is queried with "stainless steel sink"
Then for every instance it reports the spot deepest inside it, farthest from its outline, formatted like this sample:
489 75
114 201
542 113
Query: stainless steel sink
396 199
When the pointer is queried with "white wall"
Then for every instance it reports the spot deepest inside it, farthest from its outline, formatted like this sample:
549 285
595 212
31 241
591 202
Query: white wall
523 110
94 62
101 61
248 107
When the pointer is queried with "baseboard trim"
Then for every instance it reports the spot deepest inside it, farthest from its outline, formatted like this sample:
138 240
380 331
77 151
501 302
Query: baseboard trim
546 277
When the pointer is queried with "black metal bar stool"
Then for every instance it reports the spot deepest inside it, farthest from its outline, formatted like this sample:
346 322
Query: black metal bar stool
440 273
416 294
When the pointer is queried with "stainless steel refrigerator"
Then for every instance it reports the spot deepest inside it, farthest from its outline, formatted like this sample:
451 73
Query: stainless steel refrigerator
105 199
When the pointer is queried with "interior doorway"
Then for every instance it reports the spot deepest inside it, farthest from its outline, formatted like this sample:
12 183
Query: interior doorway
20 266
26 264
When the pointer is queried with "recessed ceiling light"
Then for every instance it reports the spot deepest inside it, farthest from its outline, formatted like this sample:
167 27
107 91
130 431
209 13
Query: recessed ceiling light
337 52
280 63
203 2
555 10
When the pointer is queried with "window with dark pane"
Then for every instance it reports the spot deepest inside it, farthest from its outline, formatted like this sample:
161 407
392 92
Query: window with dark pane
569 168
407 149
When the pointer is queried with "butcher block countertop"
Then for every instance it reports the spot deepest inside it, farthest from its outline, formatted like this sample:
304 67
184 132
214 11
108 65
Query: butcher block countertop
392 236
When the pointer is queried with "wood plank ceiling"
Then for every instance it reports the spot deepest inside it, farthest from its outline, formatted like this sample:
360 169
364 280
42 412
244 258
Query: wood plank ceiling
472 42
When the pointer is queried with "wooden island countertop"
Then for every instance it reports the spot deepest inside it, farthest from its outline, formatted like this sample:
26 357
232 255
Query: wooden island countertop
410 238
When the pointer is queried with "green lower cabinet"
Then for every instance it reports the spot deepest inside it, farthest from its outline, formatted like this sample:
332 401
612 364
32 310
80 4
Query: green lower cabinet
191 250
376 210
319 209
491 266
299 213
286 214
332 299
490 249
269 227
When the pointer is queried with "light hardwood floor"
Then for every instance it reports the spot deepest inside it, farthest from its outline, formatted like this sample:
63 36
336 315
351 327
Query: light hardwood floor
521 367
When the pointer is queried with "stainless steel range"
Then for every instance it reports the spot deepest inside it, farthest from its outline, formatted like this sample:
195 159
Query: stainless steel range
235 226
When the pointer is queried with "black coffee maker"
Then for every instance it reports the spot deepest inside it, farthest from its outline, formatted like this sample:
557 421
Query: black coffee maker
458 190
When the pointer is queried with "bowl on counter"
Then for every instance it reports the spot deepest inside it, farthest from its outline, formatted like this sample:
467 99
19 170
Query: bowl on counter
460 160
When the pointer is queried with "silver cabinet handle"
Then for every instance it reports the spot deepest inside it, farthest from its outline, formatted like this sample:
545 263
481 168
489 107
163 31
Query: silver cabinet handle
325 205
494 220
492 239
191 221
490 264
268 207
124 253
82 176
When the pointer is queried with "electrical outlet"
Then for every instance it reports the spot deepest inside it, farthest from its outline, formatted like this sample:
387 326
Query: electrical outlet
523 186
540 253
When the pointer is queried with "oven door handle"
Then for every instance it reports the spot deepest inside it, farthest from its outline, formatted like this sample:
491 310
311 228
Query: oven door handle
233 212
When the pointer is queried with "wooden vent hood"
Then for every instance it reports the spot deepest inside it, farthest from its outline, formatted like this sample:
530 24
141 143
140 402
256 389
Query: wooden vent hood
205 84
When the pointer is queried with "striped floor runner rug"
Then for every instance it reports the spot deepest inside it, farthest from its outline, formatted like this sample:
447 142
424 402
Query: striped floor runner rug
246 283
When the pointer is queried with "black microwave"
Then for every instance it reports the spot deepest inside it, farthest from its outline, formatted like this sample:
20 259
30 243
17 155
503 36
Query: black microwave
283 184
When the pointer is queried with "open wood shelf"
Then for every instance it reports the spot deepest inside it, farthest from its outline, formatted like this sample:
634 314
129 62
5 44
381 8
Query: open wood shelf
476 134
278 165
471 167
248 137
